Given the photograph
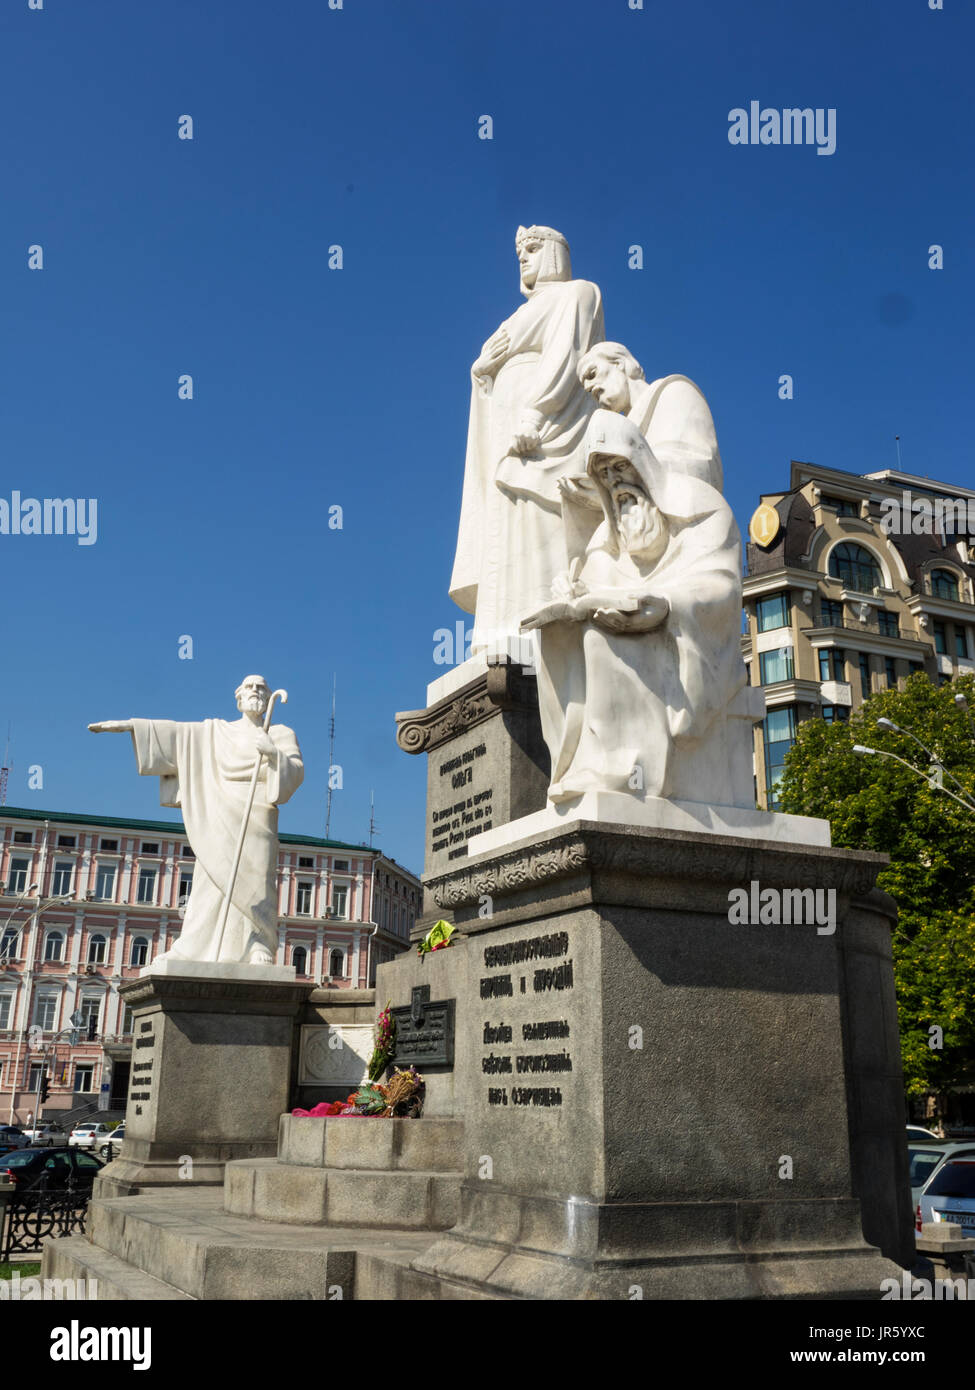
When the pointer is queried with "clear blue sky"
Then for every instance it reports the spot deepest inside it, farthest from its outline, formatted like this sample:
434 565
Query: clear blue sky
316 387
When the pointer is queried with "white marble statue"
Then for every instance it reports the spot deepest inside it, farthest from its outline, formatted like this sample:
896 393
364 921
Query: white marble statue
528 419
208 770
640 668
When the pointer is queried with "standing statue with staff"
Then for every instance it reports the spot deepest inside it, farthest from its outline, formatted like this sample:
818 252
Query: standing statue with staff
228 779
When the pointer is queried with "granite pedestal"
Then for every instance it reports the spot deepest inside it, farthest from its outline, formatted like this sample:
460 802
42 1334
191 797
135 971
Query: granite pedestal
211 1064
658 1103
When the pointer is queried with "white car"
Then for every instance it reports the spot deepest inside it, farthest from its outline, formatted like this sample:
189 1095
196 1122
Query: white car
47 1136
109 1148
88 1136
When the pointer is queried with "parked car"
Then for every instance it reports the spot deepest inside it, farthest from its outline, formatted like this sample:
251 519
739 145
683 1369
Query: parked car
11 1137
50 1170
89 1136
925 1160
915 1134
46 1137
949 1196
109 1148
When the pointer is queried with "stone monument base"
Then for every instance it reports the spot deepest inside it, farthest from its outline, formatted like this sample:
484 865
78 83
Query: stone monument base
211 1068
661 1100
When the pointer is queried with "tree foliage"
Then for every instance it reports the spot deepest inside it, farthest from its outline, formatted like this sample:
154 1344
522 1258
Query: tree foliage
874 803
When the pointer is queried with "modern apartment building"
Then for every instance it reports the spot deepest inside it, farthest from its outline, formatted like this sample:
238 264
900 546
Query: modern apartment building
88 901
853 582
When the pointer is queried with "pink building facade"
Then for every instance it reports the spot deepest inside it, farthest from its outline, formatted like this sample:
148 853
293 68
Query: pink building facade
89 901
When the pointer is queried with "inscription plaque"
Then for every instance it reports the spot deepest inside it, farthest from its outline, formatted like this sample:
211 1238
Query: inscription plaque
424 1031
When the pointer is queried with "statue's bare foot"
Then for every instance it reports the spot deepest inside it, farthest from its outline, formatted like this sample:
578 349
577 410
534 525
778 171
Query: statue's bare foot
259 955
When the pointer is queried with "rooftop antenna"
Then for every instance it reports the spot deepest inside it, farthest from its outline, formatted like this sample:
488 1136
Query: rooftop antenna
331 761
373 827
5 770
897 441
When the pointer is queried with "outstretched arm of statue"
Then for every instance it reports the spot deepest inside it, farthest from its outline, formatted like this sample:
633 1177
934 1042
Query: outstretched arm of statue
111 726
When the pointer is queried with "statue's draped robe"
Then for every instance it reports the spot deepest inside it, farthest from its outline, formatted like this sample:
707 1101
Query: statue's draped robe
205 768
675 420
643 713
511 542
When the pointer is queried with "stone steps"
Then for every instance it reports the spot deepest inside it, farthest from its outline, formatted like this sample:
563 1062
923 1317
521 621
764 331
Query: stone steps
270 1190
74 1257
186 1240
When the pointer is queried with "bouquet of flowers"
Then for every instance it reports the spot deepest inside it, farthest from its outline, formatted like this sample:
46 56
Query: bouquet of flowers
436 938
383 1049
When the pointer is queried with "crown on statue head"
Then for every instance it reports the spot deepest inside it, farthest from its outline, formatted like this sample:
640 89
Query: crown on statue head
524 234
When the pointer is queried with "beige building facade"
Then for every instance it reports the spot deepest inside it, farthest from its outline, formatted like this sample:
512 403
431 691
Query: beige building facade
853 583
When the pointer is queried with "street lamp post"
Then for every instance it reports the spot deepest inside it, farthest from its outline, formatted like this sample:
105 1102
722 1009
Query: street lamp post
936 771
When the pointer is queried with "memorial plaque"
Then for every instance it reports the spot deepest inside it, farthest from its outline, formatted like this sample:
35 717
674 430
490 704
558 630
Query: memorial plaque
335 1054
424 1031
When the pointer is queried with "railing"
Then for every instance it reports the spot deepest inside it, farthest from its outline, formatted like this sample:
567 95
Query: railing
870 624
31 1218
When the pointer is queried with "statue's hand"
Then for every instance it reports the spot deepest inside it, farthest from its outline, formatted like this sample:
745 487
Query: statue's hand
493 353
612 620
580 490
111 726
565 587
265 744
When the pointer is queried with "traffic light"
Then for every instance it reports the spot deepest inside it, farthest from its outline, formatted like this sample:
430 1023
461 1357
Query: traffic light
45 1089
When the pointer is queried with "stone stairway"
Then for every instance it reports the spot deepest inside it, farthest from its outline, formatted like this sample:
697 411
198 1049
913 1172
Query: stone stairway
292 1227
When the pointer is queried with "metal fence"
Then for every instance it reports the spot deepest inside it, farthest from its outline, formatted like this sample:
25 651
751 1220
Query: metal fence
33 1218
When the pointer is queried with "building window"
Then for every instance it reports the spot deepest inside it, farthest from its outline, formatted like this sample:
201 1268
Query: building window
67 841
303 899
186 853
45 1011
776 666
111 846
105 882
842 506
17 875
336 965
888 624
864 675
830 664
941 639
341 866
34 1070
944 679
961 642
61 878
23 837
340 900
150 847
127 1021
831 613
84 1077
944 584
774 612
305 861
147 885
835 714
185 885
8 944
891 672
90 1009
140 951
54 946
299 959
96 949
780 735
6 1008
855 567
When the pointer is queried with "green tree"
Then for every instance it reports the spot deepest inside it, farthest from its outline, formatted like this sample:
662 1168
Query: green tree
874 803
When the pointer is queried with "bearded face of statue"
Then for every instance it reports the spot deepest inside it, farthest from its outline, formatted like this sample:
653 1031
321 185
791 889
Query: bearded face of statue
252 696
640 527
606 382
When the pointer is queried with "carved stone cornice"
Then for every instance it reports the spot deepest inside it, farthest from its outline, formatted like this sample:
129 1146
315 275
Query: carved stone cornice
502 686
638 853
